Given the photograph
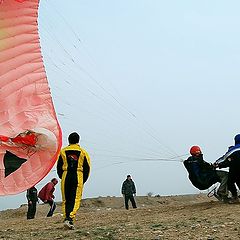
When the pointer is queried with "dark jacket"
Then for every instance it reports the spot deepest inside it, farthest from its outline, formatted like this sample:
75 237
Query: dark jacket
128 187
32 194
201 174
231 159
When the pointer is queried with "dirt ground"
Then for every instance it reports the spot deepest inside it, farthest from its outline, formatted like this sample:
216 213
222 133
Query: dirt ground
156 218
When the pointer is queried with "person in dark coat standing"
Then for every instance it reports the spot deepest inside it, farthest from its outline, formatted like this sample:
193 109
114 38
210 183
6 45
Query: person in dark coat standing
128 191
32 199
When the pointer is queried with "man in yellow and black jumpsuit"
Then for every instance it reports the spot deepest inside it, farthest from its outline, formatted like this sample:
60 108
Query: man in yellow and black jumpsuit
73 169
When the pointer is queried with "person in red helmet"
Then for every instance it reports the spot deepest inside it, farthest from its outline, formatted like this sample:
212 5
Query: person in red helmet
203 174
195 150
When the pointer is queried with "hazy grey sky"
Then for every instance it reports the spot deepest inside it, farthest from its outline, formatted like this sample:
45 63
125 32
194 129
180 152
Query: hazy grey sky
142 80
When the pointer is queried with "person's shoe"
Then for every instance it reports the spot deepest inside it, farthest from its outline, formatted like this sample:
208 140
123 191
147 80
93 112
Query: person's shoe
225 199
221 198
69 224
234 200
66 224
218 197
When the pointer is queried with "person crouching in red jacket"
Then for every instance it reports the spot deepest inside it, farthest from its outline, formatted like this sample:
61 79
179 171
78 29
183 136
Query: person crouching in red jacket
46 195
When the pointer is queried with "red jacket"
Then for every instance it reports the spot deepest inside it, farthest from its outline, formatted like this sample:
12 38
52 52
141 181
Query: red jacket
46 193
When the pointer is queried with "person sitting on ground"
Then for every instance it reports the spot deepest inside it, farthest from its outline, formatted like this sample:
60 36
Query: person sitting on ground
203 174
46 195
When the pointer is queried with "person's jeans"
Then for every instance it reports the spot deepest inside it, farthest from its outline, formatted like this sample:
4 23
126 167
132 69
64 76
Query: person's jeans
223 188
131 198
52 208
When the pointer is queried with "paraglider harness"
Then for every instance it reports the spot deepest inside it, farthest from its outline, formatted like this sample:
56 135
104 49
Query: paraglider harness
201 174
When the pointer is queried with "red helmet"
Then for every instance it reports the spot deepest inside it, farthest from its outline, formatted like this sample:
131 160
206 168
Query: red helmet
194 150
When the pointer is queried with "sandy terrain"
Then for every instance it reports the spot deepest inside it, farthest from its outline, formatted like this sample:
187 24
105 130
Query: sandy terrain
156 218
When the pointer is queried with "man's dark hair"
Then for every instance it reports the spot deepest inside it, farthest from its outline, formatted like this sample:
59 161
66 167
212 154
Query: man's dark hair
73 138
54 180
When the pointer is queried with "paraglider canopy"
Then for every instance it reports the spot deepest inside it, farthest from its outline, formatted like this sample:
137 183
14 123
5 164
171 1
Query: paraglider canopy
30 136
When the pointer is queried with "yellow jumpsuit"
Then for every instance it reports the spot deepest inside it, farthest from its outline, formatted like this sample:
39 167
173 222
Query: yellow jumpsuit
73 168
